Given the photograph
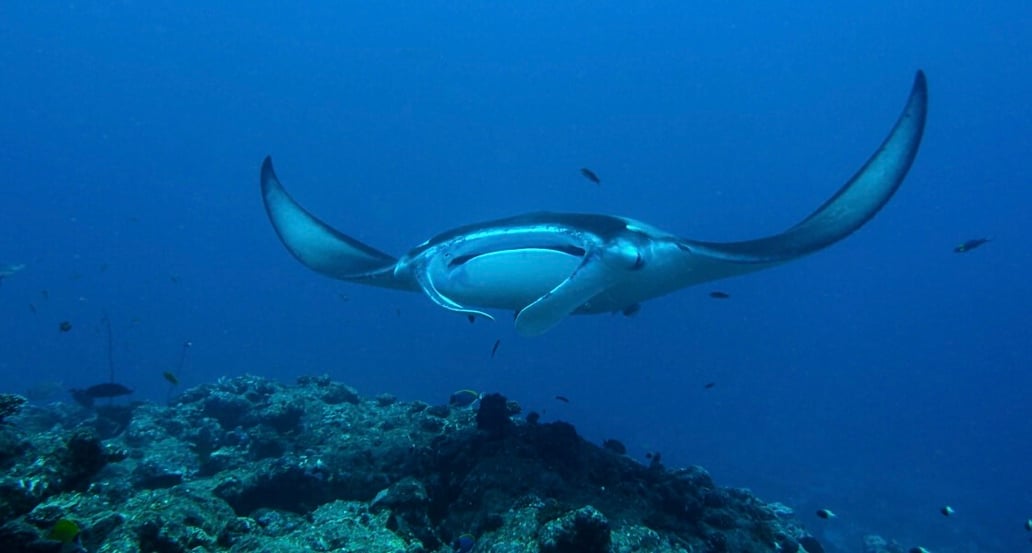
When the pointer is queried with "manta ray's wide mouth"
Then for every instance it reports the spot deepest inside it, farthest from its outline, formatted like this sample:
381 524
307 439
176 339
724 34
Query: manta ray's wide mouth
568 249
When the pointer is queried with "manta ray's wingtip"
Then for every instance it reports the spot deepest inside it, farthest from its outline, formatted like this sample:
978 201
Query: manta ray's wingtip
267 172
920 87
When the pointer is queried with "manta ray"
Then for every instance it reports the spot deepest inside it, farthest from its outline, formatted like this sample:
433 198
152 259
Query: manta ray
546 266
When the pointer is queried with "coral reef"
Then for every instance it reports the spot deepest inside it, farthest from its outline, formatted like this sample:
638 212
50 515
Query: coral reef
247 464
10 404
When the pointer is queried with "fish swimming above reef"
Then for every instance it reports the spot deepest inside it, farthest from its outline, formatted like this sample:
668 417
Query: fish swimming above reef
546 266
970 245
86 396
590 175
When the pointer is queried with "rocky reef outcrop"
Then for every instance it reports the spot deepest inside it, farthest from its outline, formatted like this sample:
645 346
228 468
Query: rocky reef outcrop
247 464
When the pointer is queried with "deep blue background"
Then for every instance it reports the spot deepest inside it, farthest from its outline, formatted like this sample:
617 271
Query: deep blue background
881 378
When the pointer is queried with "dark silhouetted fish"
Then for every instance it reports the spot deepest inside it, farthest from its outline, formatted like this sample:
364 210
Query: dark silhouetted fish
106 389
494 349
710 385
65 326
563 399
970 245
590 175
718 295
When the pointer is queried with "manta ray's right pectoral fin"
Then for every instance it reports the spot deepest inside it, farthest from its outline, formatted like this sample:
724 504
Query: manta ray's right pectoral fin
854 204
321 247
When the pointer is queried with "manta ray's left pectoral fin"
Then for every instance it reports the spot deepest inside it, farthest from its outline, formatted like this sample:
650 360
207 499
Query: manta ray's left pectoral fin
591 278
319 246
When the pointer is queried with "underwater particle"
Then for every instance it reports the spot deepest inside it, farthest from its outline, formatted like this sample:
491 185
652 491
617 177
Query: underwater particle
65 326
946 511
718 295
463 398
494 348
590 175
464 543
970 245
616 446
825 514
710 385
563 399
64 531
170 378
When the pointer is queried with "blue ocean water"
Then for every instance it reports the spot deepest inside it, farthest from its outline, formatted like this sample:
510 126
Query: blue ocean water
881 378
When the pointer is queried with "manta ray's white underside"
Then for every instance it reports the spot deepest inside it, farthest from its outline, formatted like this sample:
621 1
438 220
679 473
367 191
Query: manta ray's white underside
546 266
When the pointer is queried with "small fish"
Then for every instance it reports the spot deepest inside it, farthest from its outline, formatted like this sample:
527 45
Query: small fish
631 310
917 549
464 543
563 399
970 245
494 348
65 326
1028 525
718 295
170 377
825 514
463 398
710 385
946 511
471 318
64 531
590 175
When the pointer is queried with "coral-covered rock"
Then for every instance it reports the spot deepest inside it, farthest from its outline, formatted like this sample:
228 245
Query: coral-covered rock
582 531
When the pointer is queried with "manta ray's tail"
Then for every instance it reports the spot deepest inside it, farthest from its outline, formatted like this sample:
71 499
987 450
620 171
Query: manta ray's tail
317 245
852 206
